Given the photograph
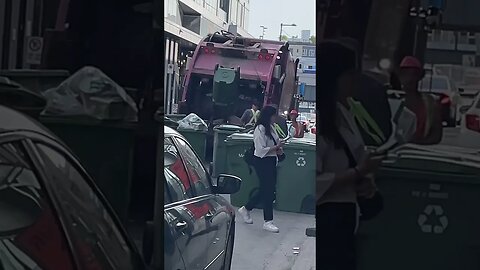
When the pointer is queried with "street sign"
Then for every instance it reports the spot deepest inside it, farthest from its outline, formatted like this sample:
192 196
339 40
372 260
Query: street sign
34 50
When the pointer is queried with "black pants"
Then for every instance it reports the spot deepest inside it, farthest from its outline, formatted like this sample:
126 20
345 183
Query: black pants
266 169
336 236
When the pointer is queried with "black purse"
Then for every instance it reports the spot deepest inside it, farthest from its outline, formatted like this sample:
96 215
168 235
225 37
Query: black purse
369 207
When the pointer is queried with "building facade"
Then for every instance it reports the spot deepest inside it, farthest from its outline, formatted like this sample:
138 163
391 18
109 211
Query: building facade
186 23
453 47
306 53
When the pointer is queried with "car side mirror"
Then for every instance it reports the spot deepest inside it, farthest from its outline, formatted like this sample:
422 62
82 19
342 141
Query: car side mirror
227 184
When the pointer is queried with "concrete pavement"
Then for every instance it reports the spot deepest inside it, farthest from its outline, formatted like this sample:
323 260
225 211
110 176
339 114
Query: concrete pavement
256 249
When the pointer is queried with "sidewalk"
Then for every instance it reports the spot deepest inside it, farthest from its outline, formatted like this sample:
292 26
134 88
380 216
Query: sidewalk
256 249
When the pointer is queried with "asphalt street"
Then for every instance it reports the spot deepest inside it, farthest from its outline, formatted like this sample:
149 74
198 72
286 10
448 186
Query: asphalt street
290 249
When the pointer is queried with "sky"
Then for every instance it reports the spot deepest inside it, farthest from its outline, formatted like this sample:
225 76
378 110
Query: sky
271 13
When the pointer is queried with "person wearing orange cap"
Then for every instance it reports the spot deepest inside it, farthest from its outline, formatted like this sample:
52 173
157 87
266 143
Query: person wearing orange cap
296 130
429 121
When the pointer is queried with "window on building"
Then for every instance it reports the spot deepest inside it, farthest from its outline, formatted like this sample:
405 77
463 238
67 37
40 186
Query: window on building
304 52
311 53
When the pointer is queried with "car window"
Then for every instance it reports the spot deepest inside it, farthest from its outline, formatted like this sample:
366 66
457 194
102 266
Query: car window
96 238
176 176
30 235
435 82
198 176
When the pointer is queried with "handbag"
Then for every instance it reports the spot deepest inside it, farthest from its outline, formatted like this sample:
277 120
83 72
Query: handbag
369 207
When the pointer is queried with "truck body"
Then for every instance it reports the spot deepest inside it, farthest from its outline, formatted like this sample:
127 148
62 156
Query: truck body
267 74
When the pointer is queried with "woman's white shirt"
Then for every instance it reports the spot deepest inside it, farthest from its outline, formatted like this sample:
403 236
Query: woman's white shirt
331 160
263 143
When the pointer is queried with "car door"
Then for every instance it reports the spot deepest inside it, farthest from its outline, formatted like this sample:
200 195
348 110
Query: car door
214 216
96 236
31 236
184 226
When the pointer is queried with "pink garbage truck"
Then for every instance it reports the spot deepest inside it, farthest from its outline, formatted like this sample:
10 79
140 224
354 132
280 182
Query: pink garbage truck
261 70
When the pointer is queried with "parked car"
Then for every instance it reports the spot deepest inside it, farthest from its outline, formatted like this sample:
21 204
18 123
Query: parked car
199 224
470 125
53 216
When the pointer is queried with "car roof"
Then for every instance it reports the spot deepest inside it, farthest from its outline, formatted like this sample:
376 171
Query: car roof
11 121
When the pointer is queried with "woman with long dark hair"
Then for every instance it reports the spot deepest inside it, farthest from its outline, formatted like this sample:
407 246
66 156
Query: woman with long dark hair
267 147
343 165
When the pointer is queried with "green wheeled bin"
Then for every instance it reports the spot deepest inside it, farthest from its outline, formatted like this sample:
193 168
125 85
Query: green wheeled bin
430 218
236 144
106 150
221 133
36 80
296 177
197 139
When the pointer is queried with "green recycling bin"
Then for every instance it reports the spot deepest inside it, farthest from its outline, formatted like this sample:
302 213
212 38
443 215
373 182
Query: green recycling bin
221 133
106 151
430 218
236 144
296 177
197 139
36 80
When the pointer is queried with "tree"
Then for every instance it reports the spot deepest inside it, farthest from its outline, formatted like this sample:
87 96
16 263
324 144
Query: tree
313 39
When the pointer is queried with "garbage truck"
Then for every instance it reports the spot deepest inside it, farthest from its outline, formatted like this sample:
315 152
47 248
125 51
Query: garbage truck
228 72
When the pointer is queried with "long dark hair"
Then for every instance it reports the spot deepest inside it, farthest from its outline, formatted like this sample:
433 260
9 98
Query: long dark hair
264 119
333 60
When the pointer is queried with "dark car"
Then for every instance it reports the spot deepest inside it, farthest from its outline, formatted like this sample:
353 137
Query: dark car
199 223
53 216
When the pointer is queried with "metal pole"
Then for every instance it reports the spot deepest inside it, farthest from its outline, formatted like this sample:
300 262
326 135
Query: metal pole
415 40
280 37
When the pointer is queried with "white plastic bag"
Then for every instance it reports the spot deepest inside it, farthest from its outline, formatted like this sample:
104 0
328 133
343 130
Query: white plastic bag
193 122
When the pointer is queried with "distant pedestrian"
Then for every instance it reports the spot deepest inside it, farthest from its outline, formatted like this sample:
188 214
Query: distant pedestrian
297 129
426 108
267 147
249 116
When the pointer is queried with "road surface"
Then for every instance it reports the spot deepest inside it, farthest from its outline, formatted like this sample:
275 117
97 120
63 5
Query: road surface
256 249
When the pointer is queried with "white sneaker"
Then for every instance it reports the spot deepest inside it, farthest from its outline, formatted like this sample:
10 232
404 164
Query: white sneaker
245 215
269 226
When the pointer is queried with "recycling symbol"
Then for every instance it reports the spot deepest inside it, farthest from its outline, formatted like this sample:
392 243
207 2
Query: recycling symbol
433 220
301 162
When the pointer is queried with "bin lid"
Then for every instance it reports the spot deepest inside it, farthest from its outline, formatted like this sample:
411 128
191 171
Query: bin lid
228 128
436 159
35 72
240 138
301 143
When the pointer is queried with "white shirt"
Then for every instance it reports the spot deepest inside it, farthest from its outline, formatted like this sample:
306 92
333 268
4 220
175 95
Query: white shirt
263 143
331 160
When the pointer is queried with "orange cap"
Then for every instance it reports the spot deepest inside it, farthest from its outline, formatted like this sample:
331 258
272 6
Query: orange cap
410 62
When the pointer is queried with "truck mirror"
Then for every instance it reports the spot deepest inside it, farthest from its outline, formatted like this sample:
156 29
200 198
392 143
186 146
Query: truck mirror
277 72
189 60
